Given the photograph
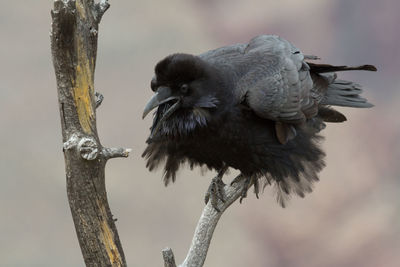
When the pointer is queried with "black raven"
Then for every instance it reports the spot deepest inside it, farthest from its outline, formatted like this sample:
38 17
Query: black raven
256 107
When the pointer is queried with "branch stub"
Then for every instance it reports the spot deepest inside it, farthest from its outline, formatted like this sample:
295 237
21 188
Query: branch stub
88 148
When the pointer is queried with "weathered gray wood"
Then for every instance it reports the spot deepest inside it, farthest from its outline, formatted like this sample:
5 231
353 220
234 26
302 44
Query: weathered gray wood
74 47
169 259
205 228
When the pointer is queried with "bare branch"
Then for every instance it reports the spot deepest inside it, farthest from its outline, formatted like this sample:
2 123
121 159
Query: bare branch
169 259
74 36
205 227
109 153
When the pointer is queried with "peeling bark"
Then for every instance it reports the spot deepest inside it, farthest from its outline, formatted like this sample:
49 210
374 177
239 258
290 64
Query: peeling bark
74 36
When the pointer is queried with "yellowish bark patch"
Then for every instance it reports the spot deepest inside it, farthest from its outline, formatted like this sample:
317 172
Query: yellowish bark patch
108 239
111 248
84 88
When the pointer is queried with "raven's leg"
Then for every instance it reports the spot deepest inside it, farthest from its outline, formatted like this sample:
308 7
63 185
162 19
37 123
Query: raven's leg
249 181
216 189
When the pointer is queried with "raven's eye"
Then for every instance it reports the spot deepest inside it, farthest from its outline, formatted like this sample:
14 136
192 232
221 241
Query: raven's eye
184 88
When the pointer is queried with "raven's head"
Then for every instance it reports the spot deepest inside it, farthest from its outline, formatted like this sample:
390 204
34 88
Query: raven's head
186 92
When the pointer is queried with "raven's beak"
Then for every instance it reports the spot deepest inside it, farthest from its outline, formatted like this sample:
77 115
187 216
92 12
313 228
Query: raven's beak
162 96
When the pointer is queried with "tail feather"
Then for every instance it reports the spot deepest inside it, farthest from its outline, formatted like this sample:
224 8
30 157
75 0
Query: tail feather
328 114
332 91
323 68
346 94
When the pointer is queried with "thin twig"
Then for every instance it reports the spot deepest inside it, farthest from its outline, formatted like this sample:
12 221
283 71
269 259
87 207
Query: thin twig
109 153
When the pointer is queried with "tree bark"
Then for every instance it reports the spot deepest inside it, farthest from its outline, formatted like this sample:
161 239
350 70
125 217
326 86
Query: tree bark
74 47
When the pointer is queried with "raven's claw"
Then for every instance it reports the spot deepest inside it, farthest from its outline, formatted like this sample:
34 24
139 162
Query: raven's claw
215 191
249 181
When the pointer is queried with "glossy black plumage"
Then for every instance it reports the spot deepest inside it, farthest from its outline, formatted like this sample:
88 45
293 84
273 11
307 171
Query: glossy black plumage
255 107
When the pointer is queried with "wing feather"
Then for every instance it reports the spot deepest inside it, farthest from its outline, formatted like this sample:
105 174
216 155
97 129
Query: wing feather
281 82
271 73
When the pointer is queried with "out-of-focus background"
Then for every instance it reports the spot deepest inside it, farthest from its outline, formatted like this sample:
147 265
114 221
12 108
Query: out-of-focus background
351 219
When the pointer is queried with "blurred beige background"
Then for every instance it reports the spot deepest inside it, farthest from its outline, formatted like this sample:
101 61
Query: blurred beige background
351 219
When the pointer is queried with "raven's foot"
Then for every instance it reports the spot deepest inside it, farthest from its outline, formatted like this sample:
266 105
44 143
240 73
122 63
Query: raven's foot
215 191
248 182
